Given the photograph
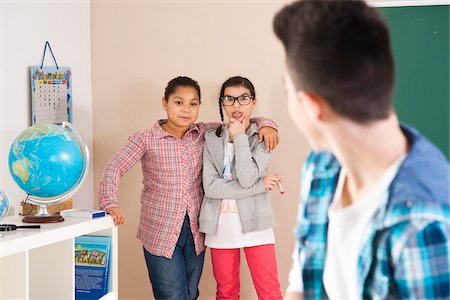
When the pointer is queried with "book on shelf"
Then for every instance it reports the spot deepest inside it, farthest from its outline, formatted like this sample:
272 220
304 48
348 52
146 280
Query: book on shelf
92 266
83 213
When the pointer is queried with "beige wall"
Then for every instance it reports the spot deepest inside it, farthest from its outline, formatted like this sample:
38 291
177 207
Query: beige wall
136 49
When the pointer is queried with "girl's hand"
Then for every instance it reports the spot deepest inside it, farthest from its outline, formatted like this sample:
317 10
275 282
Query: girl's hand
117 215
235 127
270 181
270 137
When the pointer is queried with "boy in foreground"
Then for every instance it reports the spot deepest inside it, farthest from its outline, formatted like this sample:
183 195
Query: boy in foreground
374 218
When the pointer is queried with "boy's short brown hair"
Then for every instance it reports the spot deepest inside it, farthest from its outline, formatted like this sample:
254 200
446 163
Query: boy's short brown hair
341 51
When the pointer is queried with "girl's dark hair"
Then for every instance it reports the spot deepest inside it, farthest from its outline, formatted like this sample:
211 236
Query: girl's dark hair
233 81
181 81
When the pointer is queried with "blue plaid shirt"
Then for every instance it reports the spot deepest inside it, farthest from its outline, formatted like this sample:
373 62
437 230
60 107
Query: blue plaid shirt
407 253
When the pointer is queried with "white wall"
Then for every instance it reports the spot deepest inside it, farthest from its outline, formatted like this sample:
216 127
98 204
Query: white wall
24 28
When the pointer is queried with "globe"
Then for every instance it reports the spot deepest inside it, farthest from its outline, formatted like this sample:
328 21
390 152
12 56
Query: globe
49 163
4 205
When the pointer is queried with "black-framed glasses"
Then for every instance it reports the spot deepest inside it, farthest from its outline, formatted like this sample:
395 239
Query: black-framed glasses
243 99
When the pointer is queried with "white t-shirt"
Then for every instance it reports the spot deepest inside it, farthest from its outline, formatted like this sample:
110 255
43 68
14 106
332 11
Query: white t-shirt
229 234
346 235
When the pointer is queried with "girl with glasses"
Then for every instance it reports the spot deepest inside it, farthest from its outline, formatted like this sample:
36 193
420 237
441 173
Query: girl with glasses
236 211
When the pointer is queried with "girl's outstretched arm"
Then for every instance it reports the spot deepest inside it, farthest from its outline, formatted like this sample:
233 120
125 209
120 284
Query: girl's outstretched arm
121 162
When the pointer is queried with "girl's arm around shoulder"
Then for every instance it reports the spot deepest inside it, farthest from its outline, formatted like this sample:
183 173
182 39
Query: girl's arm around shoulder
216 187
268 130
209 125
264 122
260 121
119 164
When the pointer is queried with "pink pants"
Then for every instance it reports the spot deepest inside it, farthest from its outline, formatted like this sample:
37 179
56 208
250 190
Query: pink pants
263 267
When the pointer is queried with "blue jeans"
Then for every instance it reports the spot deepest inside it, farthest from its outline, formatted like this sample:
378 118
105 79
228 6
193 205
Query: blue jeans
176 278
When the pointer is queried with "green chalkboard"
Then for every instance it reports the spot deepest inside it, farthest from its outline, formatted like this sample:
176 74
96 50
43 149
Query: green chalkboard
420 43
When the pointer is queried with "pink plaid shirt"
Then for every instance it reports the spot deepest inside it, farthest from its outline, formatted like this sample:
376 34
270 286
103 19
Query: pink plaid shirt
172 170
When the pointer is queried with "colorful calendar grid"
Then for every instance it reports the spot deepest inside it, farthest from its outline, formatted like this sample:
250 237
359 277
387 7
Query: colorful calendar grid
51 95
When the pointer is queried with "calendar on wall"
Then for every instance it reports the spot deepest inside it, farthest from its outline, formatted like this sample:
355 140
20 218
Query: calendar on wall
51 95
51 92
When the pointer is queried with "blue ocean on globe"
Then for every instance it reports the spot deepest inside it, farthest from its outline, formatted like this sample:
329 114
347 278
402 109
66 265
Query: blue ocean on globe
4 205
45 160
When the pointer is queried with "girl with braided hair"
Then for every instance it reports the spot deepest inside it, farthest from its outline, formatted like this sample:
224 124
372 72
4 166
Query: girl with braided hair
236 211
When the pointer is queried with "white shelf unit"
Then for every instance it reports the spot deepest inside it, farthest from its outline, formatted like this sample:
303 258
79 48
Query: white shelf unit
40 264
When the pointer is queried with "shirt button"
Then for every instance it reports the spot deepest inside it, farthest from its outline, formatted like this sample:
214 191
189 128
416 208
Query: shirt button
409 204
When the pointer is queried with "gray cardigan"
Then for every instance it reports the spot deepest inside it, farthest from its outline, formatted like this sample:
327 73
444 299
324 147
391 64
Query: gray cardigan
249 167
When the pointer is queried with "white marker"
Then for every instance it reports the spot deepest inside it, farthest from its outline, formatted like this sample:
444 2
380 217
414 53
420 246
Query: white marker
280 187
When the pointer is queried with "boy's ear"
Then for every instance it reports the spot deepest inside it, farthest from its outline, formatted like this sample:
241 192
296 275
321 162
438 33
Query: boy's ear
313 104
164 103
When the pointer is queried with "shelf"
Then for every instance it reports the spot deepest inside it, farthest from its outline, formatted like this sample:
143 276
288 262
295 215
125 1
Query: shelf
39 263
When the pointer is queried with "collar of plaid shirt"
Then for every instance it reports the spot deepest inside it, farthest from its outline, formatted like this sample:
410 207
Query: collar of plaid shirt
419 194
161 133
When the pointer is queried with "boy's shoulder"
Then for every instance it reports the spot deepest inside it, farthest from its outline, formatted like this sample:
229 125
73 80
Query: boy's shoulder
423 175
419 193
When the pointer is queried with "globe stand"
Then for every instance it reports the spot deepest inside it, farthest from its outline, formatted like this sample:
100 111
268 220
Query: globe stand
43 217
